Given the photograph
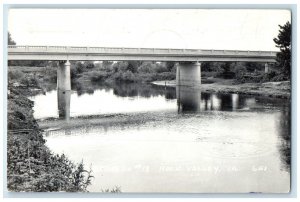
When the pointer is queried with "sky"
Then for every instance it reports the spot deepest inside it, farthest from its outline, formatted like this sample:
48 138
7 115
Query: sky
234 29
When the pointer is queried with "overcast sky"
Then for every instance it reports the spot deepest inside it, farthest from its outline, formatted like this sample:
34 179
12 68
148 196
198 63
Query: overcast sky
171 28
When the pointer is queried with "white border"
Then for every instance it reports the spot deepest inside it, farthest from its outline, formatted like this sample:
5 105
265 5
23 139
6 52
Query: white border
179 3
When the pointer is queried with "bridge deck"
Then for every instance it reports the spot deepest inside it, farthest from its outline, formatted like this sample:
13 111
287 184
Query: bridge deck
150 54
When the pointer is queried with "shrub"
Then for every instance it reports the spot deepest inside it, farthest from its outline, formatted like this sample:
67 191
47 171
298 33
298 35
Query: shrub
146 67
73 72
50 74
158 68
165 76
89 65
30 164
79 67
128 76
240 71
99 76
15 74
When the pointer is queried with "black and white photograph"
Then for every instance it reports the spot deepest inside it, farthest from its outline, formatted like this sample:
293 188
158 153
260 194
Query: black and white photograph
149 100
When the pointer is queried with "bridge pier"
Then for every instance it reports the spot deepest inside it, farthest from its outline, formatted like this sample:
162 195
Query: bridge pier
64 89
64 76
188 74
266 68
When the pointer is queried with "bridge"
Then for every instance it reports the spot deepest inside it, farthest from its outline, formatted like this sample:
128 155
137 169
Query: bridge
188 60
142 54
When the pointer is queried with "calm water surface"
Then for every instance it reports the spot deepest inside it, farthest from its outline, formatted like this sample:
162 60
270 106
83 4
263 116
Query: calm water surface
180 140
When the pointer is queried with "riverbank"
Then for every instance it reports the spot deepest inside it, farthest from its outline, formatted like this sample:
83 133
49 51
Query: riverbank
269 89
31 166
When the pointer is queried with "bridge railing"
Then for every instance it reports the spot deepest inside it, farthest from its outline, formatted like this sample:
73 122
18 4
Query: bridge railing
78 49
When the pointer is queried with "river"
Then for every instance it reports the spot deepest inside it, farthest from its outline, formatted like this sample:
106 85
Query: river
146 138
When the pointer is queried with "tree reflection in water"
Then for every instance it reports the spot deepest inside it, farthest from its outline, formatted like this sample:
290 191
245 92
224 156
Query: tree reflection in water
193 101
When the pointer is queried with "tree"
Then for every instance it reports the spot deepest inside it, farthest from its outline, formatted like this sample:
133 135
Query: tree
133 66
10 40
170 65
283 41
89 65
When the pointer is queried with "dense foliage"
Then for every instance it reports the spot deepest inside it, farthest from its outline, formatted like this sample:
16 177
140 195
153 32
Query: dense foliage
30 164
283 41
10 41
125 71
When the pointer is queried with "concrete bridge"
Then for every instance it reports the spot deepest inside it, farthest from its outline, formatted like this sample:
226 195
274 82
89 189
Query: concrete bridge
188 63
188 66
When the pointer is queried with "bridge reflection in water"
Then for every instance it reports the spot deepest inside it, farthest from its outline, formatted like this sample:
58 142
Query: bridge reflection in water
212 130
193 100
64 102
189 100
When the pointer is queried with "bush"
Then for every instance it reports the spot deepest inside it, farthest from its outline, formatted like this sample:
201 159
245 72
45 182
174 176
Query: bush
79 67
120 66
239 71
208 74
89 65
51 74
127 76
158 68
146 67
30 164
166 76
73 72
99 76
15 75
30 81
271 76
228 75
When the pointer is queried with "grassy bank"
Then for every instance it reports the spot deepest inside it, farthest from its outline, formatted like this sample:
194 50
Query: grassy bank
31 166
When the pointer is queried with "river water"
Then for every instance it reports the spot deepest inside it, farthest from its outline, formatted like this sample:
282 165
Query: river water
145 138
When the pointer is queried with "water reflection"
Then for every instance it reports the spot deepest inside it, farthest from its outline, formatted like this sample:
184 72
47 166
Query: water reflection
64 101
192 100
188 100
129 125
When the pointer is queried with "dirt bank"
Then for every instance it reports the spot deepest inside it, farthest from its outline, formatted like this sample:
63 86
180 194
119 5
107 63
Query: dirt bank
268 89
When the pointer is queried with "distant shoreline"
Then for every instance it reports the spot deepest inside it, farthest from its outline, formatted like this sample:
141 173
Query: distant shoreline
269 89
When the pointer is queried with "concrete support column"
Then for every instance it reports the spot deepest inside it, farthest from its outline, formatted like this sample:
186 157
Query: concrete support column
266 68
64 89
177 74
64 76
188 74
